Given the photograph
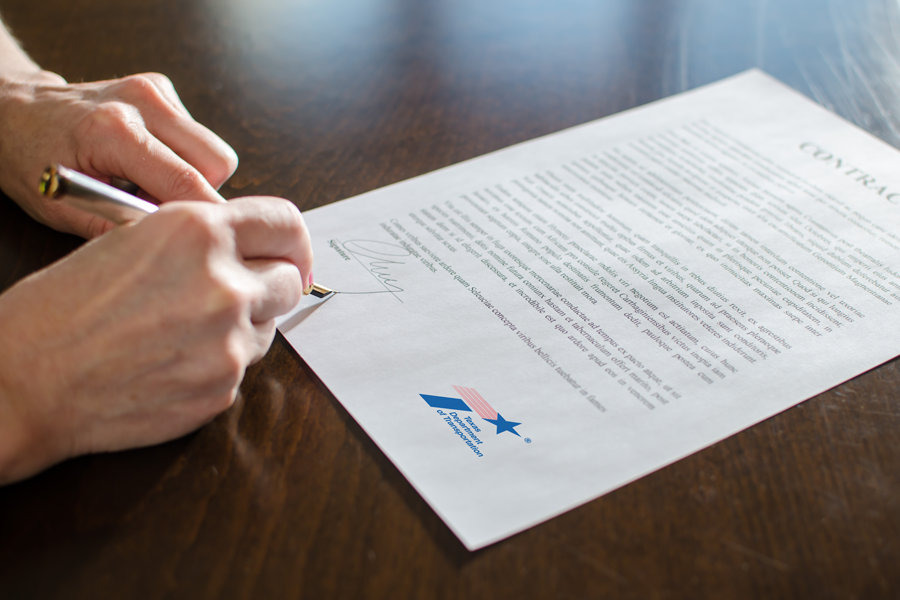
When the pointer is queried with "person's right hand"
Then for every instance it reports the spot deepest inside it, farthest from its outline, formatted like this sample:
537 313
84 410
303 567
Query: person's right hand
143 334
134 128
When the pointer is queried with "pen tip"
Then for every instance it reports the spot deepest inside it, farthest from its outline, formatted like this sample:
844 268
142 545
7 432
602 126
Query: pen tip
320 291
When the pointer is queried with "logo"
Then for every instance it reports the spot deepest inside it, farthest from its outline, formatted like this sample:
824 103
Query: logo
464 425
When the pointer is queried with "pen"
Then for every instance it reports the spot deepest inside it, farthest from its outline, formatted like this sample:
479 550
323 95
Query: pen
88 194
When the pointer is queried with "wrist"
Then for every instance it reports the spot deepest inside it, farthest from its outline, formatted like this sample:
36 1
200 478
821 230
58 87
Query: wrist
17 437
16 441
26 445
20 96
19 89
12 80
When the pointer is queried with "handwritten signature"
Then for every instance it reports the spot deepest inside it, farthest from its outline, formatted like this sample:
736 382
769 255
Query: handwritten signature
378 258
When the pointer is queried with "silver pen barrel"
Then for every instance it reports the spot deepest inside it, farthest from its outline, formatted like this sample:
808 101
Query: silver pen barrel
95 197
98 198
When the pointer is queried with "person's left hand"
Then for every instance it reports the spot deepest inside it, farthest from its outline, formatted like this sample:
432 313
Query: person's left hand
134 128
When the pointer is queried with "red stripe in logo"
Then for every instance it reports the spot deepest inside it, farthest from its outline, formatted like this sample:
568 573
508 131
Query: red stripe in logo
479 404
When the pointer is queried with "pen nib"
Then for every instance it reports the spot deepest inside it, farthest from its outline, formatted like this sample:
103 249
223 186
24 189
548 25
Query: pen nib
319 291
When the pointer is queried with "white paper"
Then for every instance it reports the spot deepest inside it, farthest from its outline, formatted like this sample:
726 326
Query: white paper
711 259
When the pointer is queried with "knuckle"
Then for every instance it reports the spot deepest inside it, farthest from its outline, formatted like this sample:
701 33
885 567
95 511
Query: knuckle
140 87
293 220
232 363
134 82
267 332
158 79
227 296
115 120
189 218
184 184
228 302
225 372
194 228
163 87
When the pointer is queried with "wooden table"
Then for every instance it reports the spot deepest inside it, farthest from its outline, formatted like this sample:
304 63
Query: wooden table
284 496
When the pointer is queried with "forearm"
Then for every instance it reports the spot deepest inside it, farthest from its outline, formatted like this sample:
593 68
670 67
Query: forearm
18 452
22 451
13 60
19 455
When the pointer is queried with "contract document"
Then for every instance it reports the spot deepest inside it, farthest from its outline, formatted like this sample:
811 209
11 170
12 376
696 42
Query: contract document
528 330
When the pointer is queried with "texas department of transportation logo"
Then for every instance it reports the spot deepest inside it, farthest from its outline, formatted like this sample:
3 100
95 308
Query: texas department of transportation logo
464 425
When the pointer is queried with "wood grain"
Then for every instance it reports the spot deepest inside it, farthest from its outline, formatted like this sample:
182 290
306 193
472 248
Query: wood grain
284 496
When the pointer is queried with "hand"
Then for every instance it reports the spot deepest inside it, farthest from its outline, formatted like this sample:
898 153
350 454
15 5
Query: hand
143 334
135 128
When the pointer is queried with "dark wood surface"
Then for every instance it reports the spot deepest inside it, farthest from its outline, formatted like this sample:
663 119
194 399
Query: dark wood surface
284 496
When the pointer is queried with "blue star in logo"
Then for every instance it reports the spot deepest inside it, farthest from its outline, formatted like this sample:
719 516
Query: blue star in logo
504 425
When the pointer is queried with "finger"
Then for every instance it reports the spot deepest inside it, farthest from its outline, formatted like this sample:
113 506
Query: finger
280 288
197 145
169 121
264 333
268 227
117 144
67 219
254 340
162 174
97 226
